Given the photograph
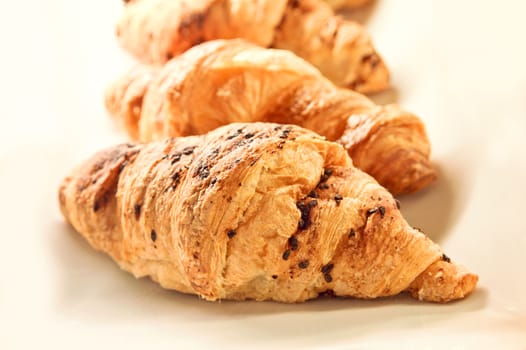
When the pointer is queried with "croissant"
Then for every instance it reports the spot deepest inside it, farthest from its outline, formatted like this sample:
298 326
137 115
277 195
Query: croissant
254 211
338 4
225 81
157 30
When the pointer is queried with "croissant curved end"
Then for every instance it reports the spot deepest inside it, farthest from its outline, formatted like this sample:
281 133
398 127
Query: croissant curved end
414 173
443 282
375 77
392 146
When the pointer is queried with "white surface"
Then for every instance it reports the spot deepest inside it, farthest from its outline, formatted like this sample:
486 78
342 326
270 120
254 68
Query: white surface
460 65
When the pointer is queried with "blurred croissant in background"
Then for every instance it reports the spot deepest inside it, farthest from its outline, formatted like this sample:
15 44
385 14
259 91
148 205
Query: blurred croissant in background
338 4
225 81
154 31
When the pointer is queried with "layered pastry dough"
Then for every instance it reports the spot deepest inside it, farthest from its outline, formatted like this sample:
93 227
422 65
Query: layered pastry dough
225 81
157 30
254 211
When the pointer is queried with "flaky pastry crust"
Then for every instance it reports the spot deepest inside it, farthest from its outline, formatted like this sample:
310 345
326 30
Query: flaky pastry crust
157 30
225 81
254 211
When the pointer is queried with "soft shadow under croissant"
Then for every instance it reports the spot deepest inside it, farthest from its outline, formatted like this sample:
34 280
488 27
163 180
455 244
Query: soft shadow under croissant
254 211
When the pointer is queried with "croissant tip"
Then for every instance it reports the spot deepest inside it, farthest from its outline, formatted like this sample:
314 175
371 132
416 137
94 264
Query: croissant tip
416 179
467 285
443 282
376 81
414 172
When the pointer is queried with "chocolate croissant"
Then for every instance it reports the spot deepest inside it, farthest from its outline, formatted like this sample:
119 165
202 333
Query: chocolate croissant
225 81
157 30
254 211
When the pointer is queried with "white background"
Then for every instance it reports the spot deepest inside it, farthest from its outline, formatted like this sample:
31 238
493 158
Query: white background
460 65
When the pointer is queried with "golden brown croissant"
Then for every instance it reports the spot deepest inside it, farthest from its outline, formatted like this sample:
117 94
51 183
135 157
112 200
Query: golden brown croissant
225 81
254 211
157 30
338 4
